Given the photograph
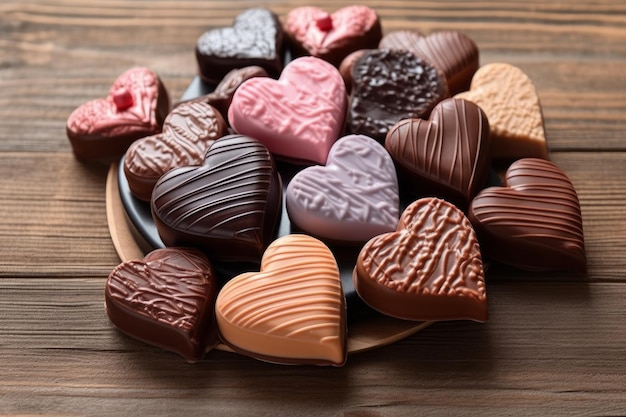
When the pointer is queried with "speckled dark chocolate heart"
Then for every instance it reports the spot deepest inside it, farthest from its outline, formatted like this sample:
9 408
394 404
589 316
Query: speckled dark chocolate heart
228 207
255 38
388 86
167 300
534 221
446 156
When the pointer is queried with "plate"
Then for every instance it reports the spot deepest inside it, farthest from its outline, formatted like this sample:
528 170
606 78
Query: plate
134 234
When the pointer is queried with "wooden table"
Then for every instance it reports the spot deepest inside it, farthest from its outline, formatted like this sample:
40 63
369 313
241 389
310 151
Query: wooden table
554 344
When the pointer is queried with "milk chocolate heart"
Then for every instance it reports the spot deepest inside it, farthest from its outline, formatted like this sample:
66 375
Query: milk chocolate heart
167 300
511 103
312 31
299 116
389 86
446 156
292 311
534 222
188 132
454 53
429 269
354 197
255 38
135 107
227 207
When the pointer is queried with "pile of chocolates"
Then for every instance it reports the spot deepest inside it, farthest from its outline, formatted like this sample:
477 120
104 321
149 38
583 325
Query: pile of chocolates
393 138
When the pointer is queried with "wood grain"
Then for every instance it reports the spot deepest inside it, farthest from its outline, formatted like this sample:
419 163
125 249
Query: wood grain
554 344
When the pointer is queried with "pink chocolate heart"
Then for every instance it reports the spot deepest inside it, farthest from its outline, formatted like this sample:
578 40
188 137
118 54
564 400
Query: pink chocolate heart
135 107
353 198
297 117
333 36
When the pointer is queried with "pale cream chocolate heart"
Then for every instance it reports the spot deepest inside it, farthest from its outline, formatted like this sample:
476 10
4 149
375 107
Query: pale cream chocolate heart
508 97
292 311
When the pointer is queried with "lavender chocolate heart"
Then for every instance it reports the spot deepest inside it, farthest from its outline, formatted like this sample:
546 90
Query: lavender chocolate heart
353 198
255 38
388 86
445 156
228 207
534 221
188 132
167 300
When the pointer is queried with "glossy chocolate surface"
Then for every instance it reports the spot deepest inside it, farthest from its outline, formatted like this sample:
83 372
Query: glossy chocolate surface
454 53
352 199
167 300
188 132
228 207
446 156
255 38
332 36
136 106
429 269
292 311
389 86
534 221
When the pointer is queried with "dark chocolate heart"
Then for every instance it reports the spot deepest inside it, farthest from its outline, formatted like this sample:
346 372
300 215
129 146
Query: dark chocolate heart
255 38
228 207
188 132
167 300
446 156
534 221
429 269
135 107
388 86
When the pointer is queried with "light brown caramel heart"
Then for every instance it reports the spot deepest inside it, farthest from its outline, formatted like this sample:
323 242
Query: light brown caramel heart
429 269
508 97
292 311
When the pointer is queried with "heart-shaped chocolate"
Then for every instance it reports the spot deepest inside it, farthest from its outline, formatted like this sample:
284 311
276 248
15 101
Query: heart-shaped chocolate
353 198
167 300
292 311
389 86
508 97
136 107
188 132
299 116
312 31
429 269
228 207
446 156
534 221
454 53
255 38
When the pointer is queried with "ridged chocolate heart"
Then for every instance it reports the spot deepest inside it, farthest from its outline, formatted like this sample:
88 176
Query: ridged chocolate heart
534 222
352 199
446 156
135 107
429 269
188 132
388 86
228 207
454 53
292 311
167 300
255 38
